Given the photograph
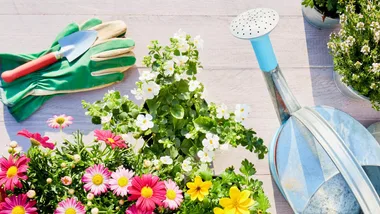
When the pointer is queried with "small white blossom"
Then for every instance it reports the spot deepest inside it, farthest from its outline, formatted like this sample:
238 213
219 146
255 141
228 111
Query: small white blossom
350 41
198 42
186 165
13 144
106 119
375 26
182 76
205 155
137 144
222 112
166 160
342 32
149 90
148 75
374 85
156 162
180 60
183 45
188 135
180 34
375 67
360 16
377 36
343 18
144 122
358 64
138 93
169 68
211 141
193 85
242 109
365 49
331 46
360 26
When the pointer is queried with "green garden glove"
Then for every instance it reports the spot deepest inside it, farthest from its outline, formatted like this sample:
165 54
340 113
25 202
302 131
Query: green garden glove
102 65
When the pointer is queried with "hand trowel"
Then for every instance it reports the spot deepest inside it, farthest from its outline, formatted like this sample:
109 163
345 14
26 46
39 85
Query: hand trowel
322 159
72 46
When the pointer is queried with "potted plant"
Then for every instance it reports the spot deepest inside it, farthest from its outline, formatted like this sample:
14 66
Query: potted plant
153 158
356 51
322 13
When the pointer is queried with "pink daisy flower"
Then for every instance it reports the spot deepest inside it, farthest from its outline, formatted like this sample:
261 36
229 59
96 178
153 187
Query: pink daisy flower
12 170
36 139
96 179
133 210
149 192
120 181
60 121
18 204
67 180
70 205
111 139
174 195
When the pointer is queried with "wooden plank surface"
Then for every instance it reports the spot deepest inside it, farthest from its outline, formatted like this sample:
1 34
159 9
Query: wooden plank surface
231 73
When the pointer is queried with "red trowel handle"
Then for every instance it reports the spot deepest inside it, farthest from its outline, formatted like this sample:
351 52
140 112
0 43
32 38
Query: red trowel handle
30 67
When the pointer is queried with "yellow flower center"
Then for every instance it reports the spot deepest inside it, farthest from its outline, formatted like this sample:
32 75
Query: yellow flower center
18 210
242 110
12 171
150 89
146 192
171 194
97 179
111 140
211 142
71 211
34 142
122 182
60 120
145 121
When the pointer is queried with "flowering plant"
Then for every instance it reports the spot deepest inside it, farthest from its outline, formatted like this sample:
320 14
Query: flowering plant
330 8
153 158
356 49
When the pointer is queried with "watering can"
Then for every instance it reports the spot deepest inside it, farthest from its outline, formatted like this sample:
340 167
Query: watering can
322 159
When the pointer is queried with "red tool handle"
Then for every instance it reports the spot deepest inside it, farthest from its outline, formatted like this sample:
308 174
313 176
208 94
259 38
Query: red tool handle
29 67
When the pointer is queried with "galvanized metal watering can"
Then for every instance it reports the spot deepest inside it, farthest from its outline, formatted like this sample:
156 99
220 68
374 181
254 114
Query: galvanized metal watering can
322 159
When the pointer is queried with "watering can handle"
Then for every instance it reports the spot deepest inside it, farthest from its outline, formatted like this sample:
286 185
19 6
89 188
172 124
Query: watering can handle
342 157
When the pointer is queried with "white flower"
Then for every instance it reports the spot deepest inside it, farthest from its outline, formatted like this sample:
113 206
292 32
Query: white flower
180 34
180 60
193 85
149 90
148 75
106 119
144 122
188 136
375 25
138 93
360 26
358 64
76 158
94 210
242 109
211 141
343 18
375 67
205 155
342 32
169 68
31 194
374 86
156 162
365 49
13 144
377 36
222 112
179 77
224 147
240 118
186 165
166 160
360 16
183 45
17 150
198 42
331 46
137 144
350 41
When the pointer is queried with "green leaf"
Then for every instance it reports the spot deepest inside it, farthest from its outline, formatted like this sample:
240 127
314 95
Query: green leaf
247 168
185 146
204 123
96 120
177 111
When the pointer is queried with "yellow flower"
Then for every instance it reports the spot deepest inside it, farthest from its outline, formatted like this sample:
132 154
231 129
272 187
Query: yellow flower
218 210
198 188
238 203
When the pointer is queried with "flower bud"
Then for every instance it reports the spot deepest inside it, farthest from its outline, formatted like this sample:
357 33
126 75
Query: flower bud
49 180
71 191
89 203
90 196
63 165
11 150
13 144
67 180
147 163
94 210
117 208
121 202
76 158
31 194
73 166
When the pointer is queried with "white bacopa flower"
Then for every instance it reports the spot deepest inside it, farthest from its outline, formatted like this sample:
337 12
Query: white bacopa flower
331 46
180 34
106 119
149 90
182 76
137 144
211 142
360 26
183 45
350 41
180 60
224 147
365 49
144 122
242 109
148 75
375 67
193 85
205 155
375 26
377 36
198 42
166 160
169 68
186 165
222 112
360 16
156 162
374 86
188 135
138 93
343 18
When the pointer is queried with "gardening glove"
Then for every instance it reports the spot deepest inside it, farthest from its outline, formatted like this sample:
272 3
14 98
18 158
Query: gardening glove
100 66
